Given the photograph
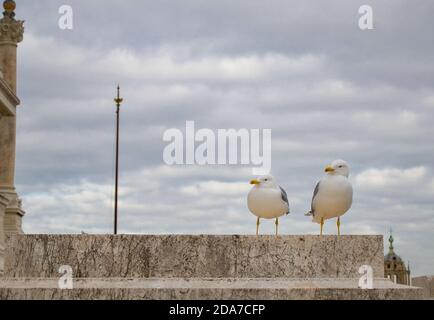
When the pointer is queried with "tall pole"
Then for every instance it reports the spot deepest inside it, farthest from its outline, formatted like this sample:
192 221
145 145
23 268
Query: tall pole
118 101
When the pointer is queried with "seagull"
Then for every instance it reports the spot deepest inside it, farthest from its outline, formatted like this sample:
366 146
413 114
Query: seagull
333 195
267 200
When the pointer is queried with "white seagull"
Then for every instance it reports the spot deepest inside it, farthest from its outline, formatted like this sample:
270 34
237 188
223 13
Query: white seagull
333 195
267 200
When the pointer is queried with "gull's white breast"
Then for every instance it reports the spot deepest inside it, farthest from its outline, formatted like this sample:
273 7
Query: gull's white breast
334 198
266 203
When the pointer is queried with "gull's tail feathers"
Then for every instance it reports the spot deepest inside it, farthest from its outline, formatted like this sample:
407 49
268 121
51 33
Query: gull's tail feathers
314 218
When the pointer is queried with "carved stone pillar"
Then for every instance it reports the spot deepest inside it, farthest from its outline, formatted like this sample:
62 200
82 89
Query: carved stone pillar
11 33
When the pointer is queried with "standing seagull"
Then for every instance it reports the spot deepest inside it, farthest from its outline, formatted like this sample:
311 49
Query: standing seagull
267 200
333 195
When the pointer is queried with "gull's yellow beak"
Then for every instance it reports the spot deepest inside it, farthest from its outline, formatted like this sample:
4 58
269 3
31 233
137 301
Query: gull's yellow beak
255 181
329 169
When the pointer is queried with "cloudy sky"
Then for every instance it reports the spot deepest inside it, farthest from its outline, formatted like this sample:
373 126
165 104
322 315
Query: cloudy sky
301 68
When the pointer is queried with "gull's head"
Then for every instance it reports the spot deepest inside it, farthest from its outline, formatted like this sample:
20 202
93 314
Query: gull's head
338 167
267 181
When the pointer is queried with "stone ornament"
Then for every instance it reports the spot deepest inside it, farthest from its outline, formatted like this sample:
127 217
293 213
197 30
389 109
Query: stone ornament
11 29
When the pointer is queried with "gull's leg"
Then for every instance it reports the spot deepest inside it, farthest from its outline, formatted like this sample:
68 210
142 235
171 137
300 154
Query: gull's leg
257 226
338 223
322 224
277 226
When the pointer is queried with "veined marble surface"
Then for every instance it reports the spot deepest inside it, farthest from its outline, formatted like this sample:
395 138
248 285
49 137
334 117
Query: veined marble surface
206 289
189 256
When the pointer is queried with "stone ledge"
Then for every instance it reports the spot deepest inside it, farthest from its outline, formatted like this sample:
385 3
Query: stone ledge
427 283
206 289
202 256
3 204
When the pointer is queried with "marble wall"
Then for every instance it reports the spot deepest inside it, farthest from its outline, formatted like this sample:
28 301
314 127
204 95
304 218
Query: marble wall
427 283
203 256
205 289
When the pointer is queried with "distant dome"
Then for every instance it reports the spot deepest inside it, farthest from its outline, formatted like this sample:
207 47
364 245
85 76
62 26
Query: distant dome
394 267
392 257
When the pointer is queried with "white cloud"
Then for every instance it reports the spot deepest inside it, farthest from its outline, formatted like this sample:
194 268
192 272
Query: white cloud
403 120
330 146
431 187
335 89
391 177
216 188
429 101
163 64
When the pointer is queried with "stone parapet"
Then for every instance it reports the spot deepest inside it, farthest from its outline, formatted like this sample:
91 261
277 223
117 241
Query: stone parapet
427 283
202 256
205 289
204 267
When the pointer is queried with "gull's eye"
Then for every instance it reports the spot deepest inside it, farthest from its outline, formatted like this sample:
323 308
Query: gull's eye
341 166
265 179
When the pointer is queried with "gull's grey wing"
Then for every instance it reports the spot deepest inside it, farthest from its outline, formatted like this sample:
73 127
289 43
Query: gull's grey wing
284 197
312 210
